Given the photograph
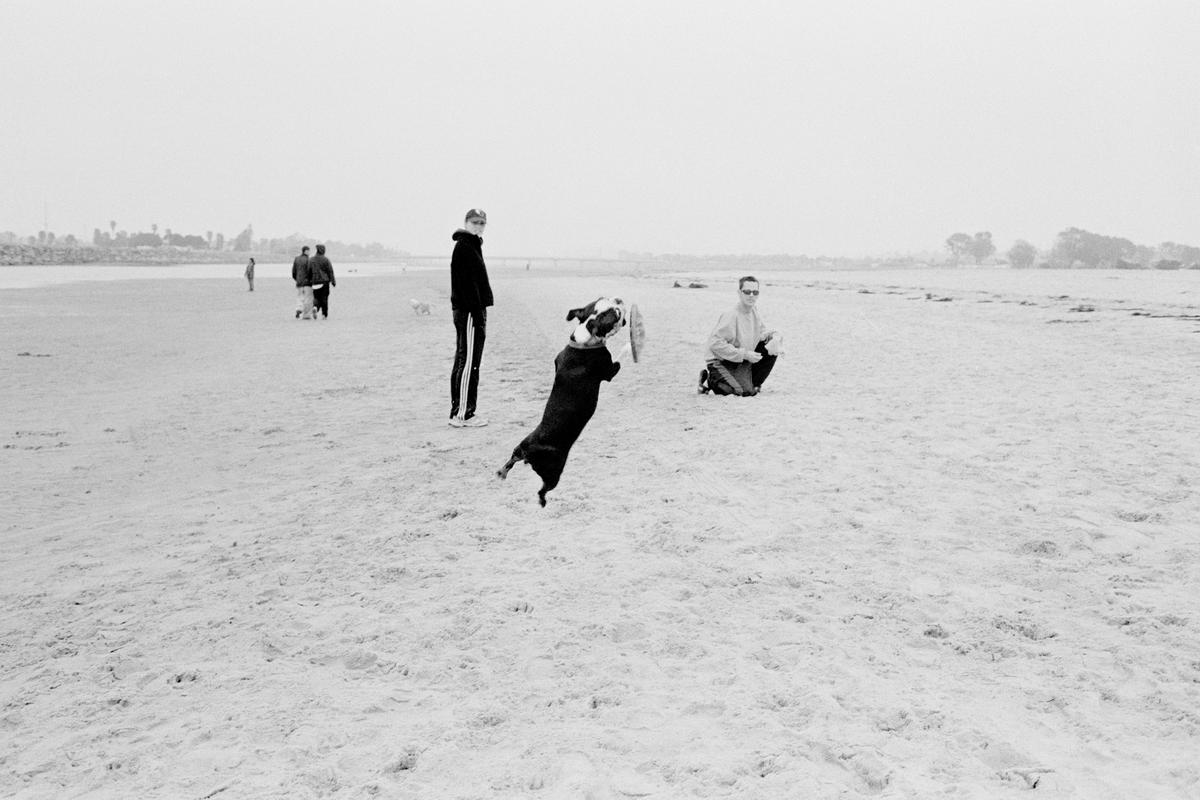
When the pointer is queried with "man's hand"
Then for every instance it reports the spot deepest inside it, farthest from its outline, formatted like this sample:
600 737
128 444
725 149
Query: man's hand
753 357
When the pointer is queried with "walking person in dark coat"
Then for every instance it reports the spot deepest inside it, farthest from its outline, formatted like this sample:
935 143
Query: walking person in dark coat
470 297
300 277
321 270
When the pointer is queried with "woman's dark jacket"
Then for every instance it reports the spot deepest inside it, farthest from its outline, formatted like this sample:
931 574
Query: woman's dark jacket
469 286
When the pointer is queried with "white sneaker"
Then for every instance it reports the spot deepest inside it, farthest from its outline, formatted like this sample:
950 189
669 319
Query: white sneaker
455 422
473 422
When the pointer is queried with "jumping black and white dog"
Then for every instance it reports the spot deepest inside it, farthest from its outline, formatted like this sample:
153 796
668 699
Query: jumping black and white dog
578 371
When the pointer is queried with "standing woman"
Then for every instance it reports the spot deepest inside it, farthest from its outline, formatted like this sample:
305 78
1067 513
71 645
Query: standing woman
250 274
470 296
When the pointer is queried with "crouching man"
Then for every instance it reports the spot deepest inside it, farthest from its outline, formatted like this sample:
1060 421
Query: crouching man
741 350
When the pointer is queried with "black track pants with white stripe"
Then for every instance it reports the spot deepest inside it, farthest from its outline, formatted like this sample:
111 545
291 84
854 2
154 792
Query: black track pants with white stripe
470 331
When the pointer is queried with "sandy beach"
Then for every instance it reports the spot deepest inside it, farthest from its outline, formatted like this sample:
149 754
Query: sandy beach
951 551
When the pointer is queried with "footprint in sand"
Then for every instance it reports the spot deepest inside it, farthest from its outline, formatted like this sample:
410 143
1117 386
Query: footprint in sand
407 760
522 607
872 771
1139 516
180 679
1041 548
1025 627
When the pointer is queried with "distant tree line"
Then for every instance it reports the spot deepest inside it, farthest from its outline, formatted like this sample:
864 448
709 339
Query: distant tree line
171 246
43 239
244 242
1075 248
977 247
775 262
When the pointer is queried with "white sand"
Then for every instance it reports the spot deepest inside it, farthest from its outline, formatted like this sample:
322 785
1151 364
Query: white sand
950 552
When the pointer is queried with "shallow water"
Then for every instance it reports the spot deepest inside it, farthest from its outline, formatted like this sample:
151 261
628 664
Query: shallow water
27 277
1172 287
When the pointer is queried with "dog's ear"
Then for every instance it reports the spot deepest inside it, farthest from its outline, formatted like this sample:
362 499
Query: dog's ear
582 314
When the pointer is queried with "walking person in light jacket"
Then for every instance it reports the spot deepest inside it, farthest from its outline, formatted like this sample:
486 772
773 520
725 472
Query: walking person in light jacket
299 275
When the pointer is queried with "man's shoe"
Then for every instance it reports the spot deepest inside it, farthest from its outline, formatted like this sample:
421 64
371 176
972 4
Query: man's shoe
297 315
702 387
473 422
454 422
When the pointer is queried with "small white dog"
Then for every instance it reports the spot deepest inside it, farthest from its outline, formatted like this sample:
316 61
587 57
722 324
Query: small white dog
419 308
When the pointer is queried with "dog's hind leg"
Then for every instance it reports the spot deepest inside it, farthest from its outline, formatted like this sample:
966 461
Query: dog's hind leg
548 463
548 483
502 473
518 454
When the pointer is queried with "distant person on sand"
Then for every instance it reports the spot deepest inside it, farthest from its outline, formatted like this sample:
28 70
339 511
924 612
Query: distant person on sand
303 289
250 274
321 270
470 296
741 350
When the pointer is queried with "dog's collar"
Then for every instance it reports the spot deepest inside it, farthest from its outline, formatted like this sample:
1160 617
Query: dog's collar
586 346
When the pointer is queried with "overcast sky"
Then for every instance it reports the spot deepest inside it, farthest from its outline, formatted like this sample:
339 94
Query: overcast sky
837 128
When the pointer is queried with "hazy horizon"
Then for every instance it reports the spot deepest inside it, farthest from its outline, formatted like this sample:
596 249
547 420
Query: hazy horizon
584 130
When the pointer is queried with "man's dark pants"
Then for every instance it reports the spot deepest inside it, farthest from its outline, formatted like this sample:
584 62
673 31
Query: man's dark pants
740 377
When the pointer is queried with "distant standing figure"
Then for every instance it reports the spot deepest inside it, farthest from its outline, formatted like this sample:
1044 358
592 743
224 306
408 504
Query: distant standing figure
321 269
470 296
250 274
299 276
740 351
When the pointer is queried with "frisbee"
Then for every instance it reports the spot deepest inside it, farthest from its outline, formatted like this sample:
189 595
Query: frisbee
637 332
